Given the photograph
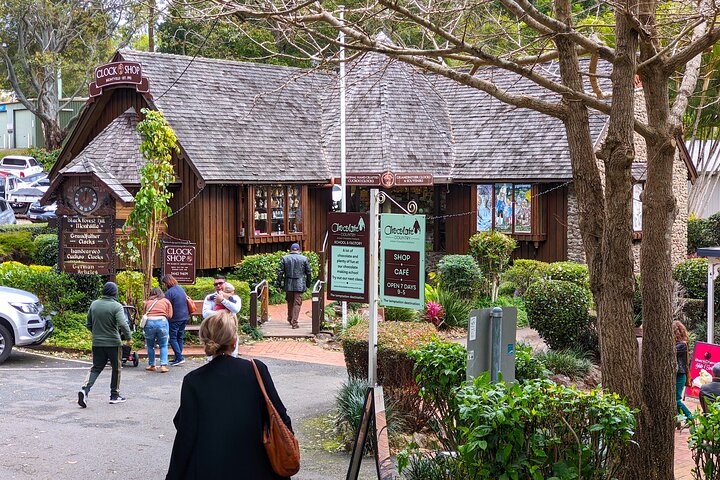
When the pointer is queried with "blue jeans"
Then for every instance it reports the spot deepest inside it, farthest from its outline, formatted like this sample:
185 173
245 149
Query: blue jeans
157 330
177 338
679 385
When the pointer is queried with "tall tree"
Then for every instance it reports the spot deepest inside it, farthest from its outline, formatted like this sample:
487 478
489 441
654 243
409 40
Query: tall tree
42 40
657 42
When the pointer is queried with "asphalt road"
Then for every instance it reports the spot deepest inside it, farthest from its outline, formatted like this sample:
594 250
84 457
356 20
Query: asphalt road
45 435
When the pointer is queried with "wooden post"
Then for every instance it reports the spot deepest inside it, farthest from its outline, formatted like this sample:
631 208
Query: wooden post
265 300
253 309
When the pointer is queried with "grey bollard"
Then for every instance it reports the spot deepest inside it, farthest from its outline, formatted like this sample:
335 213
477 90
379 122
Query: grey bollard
496 332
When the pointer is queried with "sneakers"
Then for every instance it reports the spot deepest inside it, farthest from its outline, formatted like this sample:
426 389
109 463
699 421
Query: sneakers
295 325
176 362
150 368
82 398
164 369
118 399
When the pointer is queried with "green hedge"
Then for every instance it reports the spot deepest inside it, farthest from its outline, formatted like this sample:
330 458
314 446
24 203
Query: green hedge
692 275
524 273
34 229
17 247
46 249
70 332
558 310
395 364
507 301
460 274
264 266
576 273
59 292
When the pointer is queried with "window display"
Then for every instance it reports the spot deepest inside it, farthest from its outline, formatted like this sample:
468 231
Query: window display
277 209
294 210
261 206
504 207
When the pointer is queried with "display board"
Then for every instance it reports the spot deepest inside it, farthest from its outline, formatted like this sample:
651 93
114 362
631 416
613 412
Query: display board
178 260
87 245
402 260
348 257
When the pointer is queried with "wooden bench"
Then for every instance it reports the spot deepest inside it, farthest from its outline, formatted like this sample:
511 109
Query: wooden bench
193 324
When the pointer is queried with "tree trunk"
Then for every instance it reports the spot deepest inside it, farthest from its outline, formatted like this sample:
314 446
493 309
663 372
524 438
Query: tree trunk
659 207
54 135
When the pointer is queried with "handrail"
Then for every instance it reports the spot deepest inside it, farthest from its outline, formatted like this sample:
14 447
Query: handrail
262 288
318 285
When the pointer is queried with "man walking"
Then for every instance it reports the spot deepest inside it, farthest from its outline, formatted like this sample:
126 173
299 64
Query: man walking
294 277
108 324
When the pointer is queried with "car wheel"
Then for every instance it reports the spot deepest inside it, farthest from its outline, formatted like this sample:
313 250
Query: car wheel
6 343
136 360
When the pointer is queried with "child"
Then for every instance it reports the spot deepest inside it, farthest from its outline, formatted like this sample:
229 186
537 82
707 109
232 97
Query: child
228 293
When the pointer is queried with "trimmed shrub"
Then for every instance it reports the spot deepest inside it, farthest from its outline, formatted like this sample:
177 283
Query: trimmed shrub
46 249
525 430
34 229
691 274
70 332
576 273
17 247
460 274
699 234
524 273
507 289
558 310
398 314
492 251
506 301
395 365
264 266
712 230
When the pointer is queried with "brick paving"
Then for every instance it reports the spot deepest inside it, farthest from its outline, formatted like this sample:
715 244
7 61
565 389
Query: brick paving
683 457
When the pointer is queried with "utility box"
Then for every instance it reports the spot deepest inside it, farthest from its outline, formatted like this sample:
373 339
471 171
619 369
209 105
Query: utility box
479 343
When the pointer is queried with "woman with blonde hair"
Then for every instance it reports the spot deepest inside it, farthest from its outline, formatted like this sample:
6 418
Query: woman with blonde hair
683 367
222 412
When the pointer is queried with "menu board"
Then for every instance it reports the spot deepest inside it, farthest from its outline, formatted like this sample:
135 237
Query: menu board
87 245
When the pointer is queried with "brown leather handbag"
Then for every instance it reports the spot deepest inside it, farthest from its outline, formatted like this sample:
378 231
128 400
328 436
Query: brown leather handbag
192 308
280 444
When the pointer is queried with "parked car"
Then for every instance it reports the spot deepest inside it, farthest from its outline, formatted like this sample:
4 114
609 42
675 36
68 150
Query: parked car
8 183
22 198
41 181
41 213
7 215
21 321
20 165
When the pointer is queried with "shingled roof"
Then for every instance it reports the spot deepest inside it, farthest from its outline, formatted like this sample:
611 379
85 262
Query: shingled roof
254 123
240 122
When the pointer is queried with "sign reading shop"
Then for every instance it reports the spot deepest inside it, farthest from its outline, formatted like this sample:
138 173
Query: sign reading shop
88 245
178 260
118 73
402 260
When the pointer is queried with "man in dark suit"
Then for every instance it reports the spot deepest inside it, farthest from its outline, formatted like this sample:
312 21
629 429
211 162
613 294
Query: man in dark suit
294 277
710 392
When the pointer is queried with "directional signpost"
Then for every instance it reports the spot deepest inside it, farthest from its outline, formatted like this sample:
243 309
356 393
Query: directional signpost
402 260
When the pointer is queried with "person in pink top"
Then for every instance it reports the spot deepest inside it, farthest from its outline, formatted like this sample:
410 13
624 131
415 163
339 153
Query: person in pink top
158 310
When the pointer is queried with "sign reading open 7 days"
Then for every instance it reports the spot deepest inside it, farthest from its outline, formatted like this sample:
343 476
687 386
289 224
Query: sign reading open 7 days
402 260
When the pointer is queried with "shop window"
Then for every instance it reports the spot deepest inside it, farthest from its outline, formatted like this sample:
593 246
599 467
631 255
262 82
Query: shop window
637 207
278 209
504 207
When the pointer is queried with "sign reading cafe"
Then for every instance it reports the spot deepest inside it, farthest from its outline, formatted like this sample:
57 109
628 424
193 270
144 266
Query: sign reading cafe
402 260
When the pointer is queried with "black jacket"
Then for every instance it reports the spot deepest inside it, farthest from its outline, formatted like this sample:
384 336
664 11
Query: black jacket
219 423
294 273
681 349
709 393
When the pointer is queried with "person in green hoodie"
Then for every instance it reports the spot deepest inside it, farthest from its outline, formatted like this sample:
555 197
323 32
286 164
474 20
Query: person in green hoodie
108 324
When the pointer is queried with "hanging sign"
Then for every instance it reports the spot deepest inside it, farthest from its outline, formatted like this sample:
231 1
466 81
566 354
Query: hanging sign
178 260
402 260
118 73
348 240
705 356
88 245
388 179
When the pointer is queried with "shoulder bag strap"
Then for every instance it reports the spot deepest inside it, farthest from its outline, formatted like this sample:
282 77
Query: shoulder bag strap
151 306
260 381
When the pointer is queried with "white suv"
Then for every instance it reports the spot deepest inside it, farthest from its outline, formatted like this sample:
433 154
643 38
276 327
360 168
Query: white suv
20 165
21 322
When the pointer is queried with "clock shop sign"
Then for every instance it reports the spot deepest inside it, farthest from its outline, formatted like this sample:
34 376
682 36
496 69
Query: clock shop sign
118 73
87 245
178 260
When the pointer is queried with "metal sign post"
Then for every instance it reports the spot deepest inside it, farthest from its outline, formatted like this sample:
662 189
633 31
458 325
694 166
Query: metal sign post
373 286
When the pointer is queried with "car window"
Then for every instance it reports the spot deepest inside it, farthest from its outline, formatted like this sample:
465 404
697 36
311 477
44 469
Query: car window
3 205
33 163
44 182
13 162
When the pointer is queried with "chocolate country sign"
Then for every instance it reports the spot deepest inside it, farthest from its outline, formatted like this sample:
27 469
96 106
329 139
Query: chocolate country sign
402 260
348 240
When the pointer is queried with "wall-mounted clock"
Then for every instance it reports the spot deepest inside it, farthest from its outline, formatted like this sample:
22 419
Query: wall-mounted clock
85 199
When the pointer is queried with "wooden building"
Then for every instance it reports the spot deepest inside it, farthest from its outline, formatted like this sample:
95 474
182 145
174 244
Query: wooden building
259 153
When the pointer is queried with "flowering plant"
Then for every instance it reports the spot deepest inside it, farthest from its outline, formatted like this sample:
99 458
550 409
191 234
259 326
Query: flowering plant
434 313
